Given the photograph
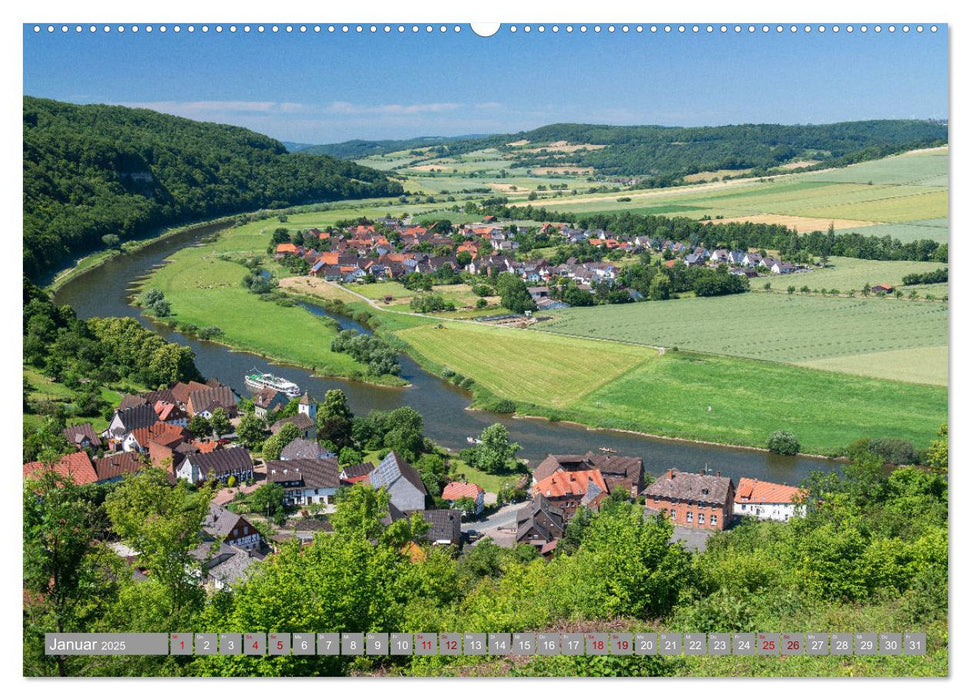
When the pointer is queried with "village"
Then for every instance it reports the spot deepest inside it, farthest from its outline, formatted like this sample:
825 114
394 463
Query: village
161 429
391 249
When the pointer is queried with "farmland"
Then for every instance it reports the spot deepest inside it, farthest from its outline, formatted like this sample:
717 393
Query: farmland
907 192
750 399
793 329
525 366
846 274
621 386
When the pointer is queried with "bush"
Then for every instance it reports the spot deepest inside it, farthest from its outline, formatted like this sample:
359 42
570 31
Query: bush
783 442
504 406
894 450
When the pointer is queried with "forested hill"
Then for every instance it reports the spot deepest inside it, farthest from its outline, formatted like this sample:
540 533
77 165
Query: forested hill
670 152
93 171
358 148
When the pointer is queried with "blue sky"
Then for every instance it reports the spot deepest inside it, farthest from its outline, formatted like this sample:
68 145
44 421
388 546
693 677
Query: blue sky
321 88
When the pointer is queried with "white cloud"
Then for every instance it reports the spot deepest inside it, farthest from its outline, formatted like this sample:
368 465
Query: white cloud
390 109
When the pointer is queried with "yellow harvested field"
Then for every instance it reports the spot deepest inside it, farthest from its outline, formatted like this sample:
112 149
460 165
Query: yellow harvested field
508 187
430 167
521 142
712 174
565 147
918 365
316 287
802 224
798 164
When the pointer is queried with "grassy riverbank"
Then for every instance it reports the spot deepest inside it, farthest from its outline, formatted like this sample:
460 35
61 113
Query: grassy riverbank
206 291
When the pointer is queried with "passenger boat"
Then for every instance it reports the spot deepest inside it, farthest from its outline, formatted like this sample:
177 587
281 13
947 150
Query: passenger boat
263 380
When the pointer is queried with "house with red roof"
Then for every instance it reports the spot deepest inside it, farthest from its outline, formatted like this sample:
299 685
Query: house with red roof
570 490
288 249
768 501
76 466
459 489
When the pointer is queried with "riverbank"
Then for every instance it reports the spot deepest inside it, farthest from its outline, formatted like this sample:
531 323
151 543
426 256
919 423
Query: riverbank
95 260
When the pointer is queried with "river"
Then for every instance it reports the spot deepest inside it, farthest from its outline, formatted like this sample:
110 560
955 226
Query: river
105 291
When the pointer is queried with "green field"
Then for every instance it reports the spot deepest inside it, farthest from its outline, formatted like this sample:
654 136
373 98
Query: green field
846 274
43 389
525 366
750 399
620 386
794 329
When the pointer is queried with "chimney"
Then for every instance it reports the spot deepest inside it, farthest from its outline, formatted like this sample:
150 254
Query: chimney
718 473
670 474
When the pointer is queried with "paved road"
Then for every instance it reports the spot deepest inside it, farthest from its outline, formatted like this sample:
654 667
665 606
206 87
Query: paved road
505 517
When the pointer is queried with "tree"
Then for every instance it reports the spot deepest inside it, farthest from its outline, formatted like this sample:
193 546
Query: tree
335 420
162 523
514 294
783 442
273 445
220 422
660 289
199 426
58 537
110 240
251 431
495 454
937 454
467 505
268 500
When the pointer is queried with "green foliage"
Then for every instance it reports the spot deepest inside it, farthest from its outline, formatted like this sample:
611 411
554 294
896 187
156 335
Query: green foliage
495 454
273 445
938 275
514 294
267 500
371 350
94 170
251 431
219 422
937 455
99 349
162 523
199 426
428 303
783 442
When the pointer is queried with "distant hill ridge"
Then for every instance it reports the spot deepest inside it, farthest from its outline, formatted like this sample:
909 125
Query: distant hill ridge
669 152
97 170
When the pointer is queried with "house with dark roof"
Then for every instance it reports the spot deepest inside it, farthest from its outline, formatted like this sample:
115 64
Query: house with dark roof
768 501
621 474
353 473
181 390
75 466
218 465
235 530
204 401
267 400
402 481
126 420
114 467
305 481
304 423
693 500
301 448
82 436
539 523
445 526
